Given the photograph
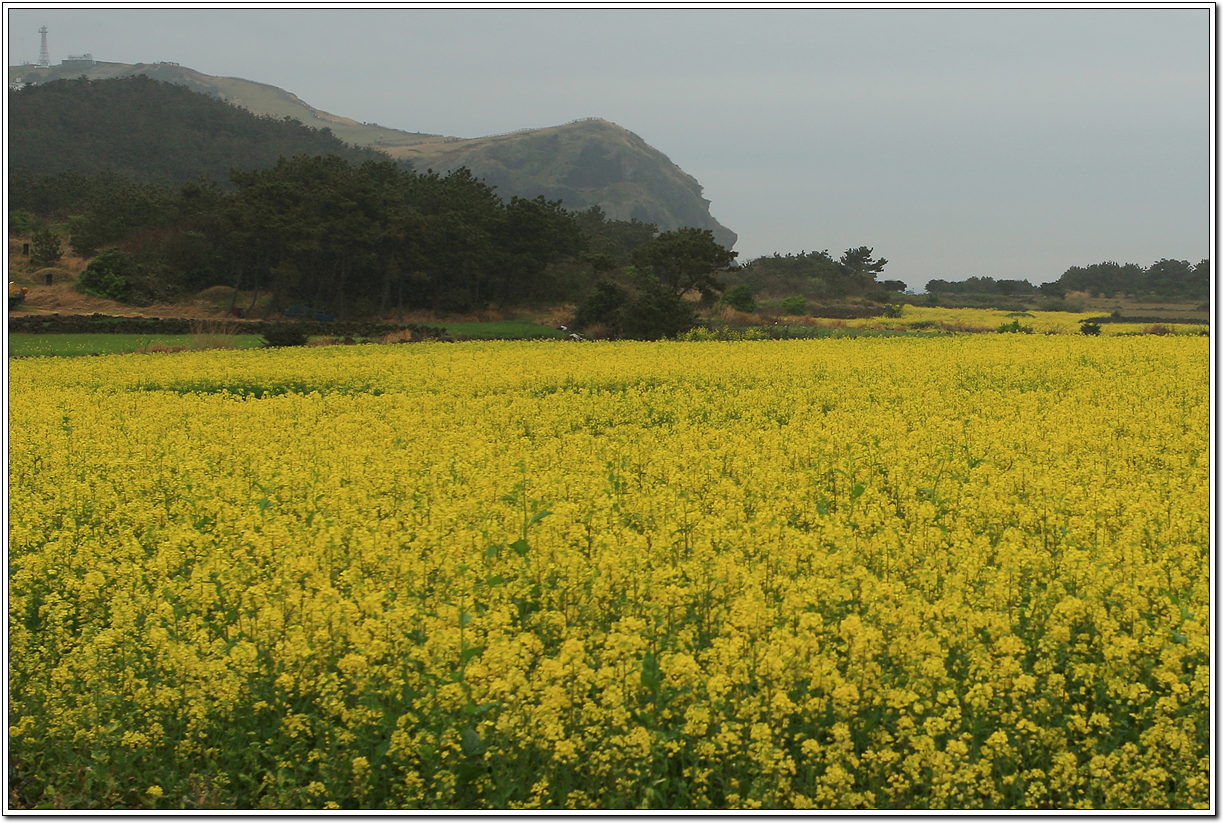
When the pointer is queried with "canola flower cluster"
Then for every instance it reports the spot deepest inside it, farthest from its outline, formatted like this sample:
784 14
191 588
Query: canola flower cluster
963 572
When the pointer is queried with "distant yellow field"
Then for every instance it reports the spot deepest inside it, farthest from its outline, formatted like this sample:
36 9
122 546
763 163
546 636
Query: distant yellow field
964 572
989 320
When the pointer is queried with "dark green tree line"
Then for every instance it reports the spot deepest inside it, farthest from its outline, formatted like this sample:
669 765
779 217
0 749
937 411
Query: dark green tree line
1166 278
819 276
319 231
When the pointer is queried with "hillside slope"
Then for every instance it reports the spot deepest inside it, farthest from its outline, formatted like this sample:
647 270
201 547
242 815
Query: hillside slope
259 98
149 129
583 163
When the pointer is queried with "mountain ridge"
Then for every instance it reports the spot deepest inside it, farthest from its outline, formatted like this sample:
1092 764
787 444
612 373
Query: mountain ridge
583 163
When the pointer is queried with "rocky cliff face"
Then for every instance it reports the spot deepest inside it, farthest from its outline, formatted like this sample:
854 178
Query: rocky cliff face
584 163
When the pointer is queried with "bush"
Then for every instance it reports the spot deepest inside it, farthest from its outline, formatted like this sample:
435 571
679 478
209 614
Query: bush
794 305
45 249
283 334
108 275
154 282
656 313
1015 326
740 297
892 310
1090 328
649 313
602 307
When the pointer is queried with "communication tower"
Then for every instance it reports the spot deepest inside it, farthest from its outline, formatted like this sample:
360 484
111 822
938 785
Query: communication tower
44 58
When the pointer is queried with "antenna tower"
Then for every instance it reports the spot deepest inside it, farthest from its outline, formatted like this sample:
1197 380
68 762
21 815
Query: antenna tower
44 58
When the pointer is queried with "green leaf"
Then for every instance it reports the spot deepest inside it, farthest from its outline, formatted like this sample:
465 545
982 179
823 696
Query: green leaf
473 744
464 619
470 709
469 653
520 546
856 492
651 676
492 551
539 516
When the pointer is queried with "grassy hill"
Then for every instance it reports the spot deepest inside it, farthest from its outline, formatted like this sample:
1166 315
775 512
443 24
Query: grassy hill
258 98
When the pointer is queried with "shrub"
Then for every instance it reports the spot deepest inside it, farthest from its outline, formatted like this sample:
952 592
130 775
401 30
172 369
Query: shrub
650 312
602 306
1015 326
283 334
1087 328
892 310
45 249
108 275
1156 329
656 313
740 297
794 305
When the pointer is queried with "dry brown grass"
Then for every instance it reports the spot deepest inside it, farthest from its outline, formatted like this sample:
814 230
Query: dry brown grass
23 273
562 315
64 299
421 317
1174 308
213 333
403 336
734 317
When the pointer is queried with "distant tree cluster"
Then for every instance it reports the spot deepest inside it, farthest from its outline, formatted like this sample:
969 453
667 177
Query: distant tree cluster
1165 278
818 276
981 286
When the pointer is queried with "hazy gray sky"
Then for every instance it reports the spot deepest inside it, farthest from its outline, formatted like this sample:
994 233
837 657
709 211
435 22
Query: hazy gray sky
1008 142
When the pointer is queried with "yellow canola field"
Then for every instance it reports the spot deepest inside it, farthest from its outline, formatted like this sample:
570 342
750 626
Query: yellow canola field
961 572
989 320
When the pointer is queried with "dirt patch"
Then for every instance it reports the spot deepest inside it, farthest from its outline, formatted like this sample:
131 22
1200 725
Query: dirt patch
64 299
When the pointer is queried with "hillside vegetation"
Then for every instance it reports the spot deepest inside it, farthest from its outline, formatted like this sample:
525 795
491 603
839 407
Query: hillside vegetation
149 129
582 164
